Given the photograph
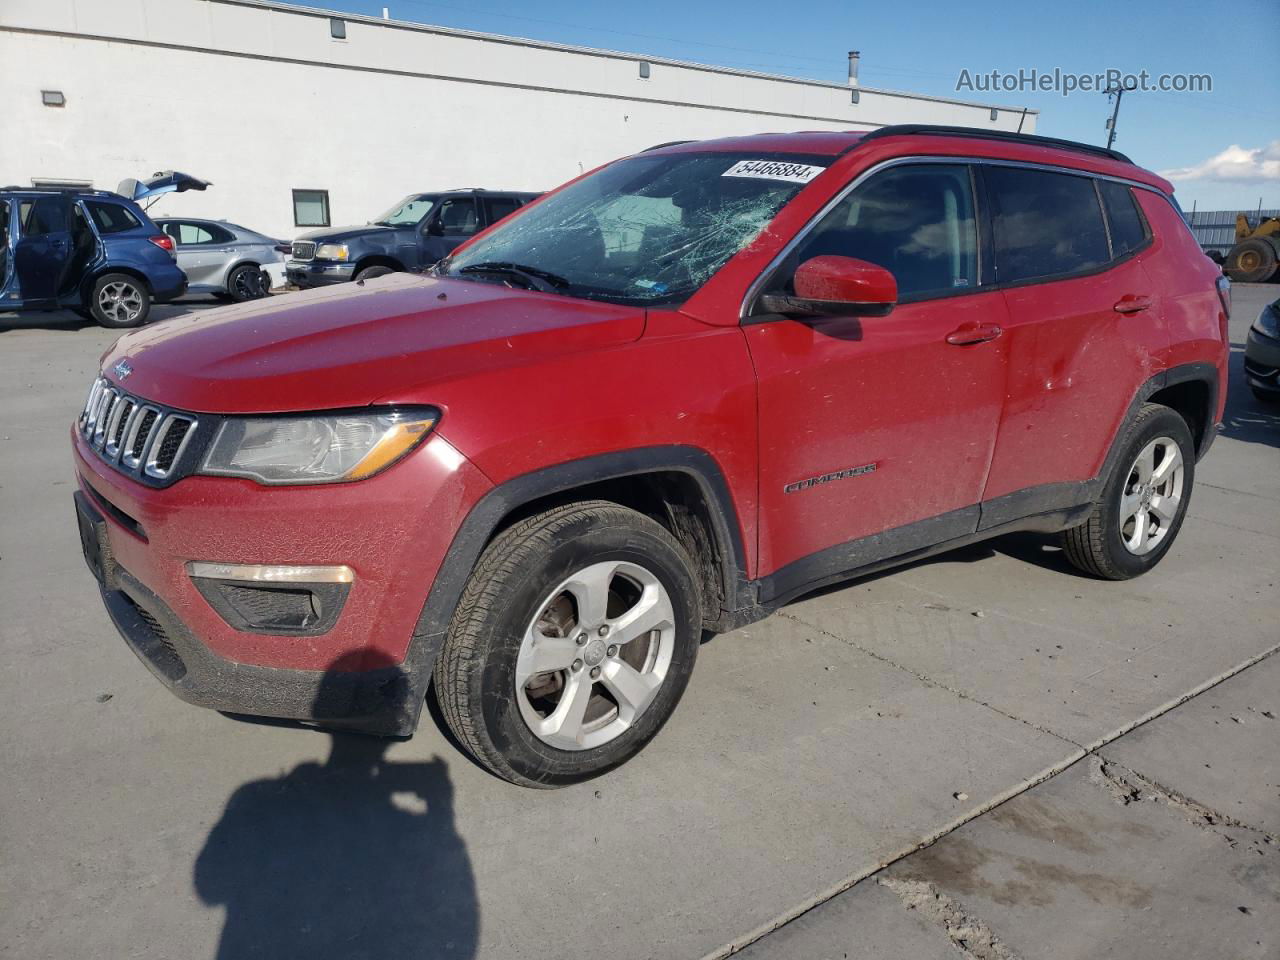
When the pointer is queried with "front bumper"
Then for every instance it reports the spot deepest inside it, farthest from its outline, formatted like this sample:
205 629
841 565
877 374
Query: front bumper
368 669
317 273
1262 361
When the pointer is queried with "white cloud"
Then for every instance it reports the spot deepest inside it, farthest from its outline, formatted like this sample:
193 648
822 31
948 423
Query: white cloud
1234 163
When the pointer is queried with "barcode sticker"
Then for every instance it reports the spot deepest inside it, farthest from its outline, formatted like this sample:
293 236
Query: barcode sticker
773 170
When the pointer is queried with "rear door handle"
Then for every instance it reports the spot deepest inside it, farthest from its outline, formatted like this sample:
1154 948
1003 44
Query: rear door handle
1132 304
970 333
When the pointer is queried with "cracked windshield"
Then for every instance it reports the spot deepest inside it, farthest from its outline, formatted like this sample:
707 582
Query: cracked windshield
645 230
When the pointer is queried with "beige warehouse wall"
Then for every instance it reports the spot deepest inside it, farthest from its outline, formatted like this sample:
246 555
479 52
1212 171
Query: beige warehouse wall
261 100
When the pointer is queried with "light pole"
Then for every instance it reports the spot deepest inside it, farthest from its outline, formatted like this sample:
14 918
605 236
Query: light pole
1118 89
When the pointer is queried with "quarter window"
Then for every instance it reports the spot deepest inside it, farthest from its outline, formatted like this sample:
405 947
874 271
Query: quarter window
1045 224
496 208
1127 230
111 217
311 208
915 221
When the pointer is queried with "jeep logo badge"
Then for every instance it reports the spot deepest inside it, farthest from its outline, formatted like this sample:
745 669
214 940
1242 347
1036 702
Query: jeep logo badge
122 369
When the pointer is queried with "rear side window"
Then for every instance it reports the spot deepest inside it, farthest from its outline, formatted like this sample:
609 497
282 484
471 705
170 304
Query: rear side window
498 207
915 221
111 217
1128 232
1045 224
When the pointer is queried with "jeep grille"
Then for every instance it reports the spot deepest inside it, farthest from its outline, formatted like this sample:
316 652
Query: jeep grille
139 438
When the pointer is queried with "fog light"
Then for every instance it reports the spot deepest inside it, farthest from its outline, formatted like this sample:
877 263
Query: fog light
273 598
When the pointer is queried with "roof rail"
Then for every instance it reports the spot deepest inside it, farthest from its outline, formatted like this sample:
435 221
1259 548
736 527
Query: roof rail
18 188
669 143
979 133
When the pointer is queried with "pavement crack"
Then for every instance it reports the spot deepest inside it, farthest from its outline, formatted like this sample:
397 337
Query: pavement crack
925 678
1127 786
967 932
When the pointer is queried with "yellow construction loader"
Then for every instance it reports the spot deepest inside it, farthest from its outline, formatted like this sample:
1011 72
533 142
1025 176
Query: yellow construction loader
1257 251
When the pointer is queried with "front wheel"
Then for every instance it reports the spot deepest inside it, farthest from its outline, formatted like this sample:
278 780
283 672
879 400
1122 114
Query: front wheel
368 273
119 300
571 646
1143 502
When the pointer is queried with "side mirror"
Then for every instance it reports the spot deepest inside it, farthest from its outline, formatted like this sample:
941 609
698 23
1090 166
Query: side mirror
831 286
434 228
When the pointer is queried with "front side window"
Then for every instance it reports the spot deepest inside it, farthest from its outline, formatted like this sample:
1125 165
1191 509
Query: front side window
311 208
915 221
648 229
407 213
457 217
1045 224
1128 232
111 217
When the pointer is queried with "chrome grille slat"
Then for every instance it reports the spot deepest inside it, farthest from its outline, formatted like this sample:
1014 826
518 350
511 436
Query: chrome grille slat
129 433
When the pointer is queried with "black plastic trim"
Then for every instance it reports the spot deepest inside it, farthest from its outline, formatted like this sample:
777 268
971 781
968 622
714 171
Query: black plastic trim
478 527
978 133
327 598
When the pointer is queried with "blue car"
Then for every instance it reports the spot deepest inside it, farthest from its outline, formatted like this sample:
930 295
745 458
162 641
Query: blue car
92 251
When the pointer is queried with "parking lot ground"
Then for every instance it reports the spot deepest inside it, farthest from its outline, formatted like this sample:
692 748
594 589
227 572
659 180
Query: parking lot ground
1163 844
811 751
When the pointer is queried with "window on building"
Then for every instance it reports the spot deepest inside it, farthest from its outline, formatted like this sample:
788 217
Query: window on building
915 221
644 70
337 28
311 208
496 208
111 217
1045 224
1127 230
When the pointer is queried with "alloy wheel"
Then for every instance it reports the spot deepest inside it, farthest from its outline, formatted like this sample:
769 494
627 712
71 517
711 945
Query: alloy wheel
595 655
1151 496
121 301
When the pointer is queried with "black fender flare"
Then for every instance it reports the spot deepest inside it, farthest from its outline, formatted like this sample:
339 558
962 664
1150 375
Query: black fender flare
477 530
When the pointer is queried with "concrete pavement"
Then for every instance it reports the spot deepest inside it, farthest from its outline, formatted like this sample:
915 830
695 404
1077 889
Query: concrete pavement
810 751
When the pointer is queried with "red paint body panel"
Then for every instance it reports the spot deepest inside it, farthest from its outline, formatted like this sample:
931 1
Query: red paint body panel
884 390
393 529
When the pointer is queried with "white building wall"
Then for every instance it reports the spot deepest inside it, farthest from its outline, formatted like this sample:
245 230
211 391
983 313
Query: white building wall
259 99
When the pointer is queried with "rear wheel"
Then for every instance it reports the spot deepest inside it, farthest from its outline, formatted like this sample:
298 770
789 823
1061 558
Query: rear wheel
119 300
571 645
1143 502
246 283
1251 261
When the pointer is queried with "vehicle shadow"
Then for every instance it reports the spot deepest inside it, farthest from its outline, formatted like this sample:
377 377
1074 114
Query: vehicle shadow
355 858
69 320
1246 417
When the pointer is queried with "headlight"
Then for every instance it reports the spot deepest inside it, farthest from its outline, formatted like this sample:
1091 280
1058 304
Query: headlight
316 449
331 251
1268 321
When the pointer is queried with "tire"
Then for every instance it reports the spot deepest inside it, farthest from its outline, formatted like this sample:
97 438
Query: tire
119 300
368 273
1265 396
490 690
1251 261
245 283
1111 543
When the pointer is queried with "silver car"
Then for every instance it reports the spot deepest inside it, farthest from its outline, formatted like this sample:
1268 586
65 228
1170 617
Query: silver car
224 259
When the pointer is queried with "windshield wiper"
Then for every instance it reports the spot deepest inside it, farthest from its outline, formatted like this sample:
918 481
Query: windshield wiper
540 280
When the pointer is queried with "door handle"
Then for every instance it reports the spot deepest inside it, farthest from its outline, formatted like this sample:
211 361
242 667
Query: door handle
1132 304
971 333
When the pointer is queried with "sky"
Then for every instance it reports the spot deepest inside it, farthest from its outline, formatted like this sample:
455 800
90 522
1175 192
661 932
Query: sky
1221 148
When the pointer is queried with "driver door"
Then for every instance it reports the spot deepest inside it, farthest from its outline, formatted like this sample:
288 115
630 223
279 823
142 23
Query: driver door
42 249
456 219
876 433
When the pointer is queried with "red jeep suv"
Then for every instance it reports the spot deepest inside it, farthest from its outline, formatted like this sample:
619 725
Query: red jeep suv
664 399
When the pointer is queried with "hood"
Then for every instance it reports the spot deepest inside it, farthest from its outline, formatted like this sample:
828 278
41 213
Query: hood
341 234
166 181
349 346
